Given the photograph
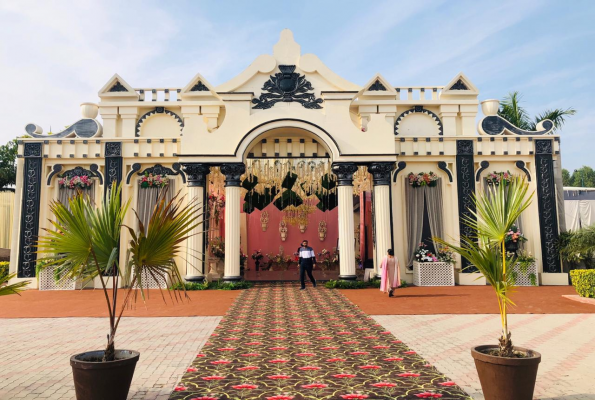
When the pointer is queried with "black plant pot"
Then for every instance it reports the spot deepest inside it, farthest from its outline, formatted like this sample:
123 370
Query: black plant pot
511 247
96 380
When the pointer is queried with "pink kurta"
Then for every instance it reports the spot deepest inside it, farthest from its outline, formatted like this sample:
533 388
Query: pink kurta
390 274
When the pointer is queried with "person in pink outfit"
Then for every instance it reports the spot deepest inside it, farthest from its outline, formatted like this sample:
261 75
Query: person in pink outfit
390 274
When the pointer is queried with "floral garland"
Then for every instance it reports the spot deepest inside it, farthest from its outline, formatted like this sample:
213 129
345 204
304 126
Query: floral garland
75 182
216 204
150 181
496 178
422 179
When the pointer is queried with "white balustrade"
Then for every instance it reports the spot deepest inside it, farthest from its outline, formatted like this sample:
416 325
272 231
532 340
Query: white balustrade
159 94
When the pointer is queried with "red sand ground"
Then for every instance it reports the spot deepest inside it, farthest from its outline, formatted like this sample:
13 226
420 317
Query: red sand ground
466 300
411 300
91 303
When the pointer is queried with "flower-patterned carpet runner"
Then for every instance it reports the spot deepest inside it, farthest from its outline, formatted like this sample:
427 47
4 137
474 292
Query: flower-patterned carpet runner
279 343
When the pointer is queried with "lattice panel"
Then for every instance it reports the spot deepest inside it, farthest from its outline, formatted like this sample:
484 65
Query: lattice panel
524 279
48 282
149 282
433 274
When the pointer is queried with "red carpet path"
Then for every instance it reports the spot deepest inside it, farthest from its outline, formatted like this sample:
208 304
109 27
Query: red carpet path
279 343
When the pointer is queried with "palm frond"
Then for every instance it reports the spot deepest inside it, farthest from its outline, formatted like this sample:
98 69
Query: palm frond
14 288
557 116
512 111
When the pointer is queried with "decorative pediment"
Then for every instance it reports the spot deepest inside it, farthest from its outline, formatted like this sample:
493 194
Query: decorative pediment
92 172
198 88
117 88
460 85
287 86
422 110
86 127
379 86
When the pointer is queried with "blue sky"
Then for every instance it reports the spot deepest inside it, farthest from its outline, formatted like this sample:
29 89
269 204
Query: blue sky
56 54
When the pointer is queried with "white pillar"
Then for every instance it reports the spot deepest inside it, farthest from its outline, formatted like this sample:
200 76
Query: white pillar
232 174
381 173
344 172
195 259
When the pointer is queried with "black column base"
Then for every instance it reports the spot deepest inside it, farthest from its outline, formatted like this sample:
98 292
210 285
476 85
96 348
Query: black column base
232 278
191 278
347 277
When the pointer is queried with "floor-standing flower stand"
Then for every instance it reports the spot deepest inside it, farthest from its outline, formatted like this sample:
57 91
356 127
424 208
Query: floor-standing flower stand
530 277
433 274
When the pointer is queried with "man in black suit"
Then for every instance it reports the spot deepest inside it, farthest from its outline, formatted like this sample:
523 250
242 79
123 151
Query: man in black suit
307 262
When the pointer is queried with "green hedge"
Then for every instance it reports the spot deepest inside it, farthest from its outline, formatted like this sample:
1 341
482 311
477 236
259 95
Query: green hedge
374 283
219 285
583 281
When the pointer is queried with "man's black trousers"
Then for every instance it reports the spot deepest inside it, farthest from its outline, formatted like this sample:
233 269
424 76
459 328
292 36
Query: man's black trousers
306 268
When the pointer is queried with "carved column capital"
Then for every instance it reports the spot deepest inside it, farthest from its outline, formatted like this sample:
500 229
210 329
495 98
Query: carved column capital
196 173
233 172
344 172
381 172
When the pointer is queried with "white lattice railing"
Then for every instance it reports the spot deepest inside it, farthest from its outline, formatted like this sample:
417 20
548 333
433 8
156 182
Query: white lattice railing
48 281
527 278
418 92
159 94
433 274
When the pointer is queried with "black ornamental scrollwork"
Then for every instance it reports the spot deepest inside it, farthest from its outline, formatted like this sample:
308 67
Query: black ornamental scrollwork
287 86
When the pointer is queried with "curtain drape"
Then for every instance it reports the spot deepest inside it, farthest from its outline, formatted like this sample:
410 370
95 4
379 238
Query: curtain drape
414 198
6 214
434 204
65 194
147 199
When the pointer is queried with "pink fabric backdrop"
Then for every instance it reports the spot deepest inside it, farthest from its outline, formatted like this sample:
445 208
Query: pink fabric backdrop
269 241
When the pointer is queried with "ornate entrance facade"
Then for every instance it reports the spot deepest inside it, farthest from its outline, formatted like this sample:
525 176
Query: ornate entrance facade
290 108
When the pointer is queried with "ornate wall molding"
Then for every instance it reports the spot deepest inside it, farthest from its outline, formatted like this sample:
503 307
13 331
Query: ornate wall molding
381 172
401 165
158 110
233 172
419 109
465 189
287 86
199 87
444 167
521 165
496 125
93 171
30 209
459 85
113 164
83 128
482 167
344 172
157 169
377 87
197 173
546 202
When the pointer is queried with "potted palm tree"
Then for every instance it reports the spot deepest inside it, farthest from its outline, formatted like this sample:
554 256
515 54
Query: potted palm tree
84 244
506 372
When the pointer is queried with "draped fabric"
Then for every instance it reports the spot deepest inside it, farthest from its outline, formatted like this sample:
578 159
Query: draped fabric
579 213
414 198
147 199
65 194
435 206
6 214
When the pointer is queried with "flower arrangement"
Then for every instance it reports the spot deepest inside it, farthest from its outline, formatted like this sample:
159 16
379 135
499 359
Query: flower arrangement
280 260
514 235
243 258
153 180
496 178
358 261
446 255
75 182
327 258
422 254
257 256
217 248
216 203
422 179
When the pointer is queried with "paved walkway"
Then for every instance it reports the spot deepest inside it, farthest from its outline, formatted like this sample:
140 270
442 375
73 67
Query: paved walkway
35 353
566 343
279 342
